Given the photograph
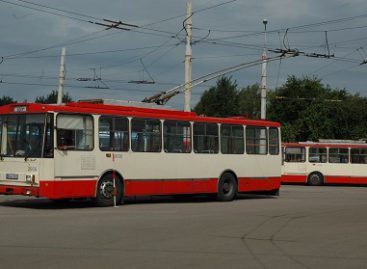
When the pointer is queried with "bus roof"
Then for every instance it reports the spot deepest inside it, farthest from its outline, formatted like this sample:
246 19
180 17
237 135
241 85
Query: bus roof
104 109
339 144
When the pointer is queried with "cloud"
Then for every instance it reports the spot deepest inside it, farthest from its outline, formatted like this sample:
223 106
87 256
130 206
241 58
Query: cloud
26 30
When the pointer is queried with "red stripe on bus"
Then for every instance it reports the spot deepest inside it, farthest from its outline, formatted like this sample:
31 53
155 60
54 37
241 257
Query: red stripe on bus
327 179
67 189
194 186
345 180
258 184
166 187
87 188
19 190
294 179
324 145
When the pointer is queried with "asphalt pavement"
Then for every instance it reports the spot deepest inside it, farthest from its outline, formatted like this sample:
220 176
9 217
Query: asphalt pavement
305 227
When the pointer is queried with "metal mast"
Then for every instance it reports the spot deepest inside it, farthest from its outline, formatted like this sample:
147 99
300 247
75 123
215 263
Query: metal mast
60 92
264 75
188 57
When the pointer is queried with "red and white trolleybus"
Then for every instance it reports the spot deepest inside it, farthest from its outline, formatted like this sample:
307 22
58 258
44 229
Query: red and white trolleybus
78 150
326 162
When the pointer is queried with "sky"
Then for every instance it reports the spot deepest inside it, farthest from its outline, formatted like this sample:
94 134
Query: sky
225 33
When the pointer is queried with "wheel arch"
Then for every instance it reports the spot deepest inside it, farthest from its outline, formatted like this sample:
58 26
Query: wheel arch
230 172
315 172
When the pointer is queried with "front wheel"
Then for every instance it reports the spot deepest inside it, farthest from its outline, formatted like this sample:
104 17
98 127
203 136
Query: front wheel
105 192
315 179
227 187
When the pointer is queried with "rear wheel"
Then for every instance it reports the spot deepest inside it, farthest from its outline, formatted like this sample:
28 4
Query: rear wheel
105 191
315 179
274 192
227 187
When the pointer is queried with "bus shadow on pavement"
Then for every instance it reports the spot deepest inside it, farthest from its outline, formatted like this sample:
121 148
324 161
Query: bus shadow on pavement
194 198
43 203
46 204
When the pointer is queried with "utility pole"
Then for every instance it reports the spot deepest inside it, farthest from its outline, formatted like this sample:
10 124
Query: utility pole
188 57
60 92
264 75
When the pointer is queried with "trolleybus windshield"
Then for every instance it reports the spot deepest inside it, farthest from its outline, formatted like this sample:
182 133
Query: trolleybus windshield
26 135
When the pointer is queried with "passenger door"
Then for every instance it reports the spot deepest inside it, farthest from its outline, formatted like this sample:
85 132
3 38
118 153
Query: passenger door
74 146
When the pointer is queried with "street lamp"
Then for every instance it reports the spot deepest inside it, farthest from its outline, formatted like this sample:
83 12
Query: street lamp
263 75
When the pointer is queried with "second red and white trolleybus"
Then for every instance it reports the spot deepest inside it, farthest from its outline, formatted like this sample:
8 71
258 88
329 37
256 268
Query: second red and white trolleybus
328 162
79 150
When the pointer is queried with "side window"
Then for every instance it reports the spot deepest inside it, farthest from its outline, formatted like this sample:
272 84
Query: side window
146 135
74 132
295 154
231 139
206 137
338 155
317 155
177 136
273 141
256 140
358 155
113 133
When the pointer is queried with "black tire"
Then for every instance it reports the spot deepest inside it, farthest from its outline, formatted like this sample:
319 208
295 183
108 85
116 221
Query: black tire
104 193
227 187
274 192
315 179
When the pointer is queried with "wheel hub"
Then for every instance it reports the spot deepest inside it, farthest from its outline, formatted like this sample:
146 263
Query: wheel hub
106 189
226 187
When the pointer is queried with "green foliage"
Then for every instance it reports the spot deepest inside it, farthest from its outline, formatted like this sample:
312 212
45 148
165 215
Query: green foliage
309 110
249 101
4 100
52 98
219 101
306 108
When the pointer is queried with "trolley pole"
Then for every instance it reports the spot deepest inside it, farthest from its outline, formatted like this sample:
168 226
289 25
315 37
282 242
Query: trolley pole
188 57
264 75
60 92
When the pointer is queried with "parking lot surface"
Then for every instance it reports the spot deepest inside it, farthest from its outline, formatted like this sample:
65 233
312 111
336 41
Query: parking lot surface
305 227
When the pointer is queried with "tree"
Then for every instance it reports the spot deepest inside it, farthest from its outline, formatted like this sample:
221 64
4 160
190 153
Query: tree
4 100
310 110
220 100
52 98
249 101
306 108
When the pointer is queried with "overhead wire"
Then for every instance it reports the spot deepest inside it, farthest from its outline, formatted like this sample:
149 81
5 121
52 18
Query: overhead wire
340 70
60 10
77 54
165 33
45 11
79 86
213 6
73 41
174 17
161 33
334 21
